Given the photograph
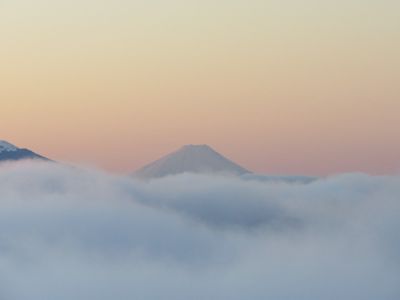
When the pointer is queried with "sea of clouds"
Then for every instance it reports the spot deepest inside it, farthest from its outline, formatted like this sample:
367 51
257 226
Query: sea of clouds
74 233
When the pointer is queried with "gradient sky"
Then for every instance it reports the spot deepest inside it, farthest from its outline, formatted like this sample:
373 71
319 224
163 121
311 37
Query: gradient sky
286 86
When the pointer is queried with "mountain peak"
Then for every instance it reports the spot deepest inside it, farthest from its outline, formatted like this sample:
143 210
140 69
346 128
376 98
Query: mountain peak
191 159
7 147
192 146
9 152
199 148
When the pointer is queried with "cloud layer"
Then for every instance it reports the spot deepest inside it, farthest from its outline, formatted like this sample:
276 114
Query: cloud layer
71 233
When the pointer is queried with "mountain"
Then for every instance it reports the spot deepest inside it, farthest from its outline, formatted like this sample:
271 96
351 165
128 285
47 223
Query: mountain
9 152
190 159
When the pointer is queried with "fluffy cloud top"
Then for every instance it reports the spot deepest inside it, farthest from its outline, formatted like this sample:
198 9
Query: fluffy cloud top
70 233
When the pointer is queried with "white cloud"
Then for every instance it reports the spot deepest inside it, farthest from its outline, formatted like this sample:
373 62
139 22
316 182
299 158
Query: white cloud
69 233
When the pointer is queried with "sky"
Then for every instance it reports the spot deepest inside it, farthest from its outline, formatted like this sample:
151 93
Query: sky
299 87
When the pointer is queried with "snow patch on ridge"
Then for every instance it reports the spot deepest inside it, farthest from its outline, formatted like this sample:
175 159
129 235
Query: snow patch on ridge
7 147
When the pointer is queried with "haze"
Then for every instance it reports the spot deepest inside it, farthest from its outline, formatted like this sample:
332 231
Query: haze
72 233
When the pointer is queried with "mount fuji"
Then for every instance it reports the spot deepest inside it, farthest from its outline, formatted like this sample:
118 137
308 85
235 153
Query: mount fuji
9 152
190 159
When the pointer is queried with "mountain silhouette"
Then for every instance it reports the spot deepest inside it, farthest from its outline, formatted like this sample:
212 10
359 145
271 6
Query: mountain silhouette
191 159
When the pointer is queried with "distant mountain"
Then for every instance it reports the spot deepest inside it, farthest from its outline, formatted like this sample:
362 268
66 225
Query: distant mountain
294 179
191 159
9 152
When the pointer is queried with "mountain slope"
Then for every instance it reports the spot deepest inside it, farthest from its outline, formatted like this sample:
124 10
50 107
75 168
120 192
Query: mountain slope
9 152
191 159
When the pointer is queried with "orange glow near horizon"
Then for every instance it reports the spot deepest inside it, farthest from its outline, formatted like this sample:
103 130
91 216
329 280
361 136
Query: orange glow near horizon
277 86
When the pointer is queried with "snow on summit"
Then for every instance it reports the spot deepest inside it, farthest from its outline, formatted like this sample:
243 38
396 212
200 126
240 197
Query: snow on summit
6 146
191 159
9 152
